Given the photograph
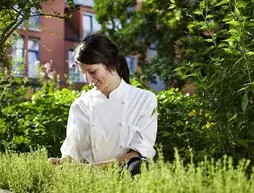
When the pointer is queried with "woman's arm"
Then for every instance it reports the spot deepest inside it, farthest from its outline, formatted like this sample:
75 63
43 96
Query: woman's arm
120 160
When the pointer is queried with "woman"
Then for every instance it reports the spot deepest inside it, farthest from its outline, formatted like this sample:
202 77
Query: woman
114 120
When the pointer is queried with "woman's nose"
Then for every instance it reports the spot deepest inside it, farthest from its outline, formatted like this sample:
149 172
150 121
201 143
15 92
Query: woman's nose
88 78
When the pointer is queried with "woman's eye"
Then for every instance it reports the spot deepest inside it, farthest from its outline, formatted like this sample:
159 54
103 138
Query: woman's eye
92 72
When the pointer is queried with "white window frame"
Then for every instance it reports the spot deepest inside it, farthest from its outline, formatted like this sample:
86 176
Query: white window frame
74 74
89 3
32 68
92 23
30 23
18 66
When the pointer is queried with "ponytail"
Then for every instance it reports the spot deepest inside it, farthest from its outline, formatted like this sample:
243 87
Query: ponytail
123 69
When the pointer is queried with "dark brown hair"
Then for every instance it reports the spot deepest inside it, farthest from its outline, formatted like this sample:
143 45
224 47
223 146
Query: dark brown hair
96 48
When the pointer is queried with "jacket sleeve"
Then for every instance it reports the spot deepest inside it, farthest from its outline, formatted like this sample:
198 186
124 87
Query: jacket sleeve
71 143
145 135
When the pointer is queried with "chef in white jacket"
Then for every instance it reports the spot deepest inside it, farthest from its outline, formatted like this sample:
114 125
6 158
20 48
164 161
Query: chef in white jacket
114 121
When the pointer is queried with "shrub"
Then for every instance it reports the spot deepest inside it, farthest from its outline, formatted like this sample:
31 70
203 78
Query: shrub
40 121
184 124
218 57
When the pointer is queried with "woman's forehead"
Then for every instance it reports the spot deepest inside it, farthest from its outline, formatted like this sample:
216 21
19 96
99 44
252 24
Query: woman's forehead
86 67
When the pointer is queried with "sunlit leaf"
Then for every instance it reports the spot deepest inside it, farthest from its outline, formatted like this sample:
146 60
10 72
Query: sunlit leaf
245 101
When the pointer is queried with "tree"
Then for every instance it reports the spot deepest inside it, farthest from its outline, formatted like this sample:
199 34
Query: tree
153 24
13 13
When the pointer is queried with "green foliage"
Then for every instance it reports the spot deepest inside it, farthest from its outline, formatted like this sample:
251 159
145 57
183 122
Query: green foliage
218 54
40 121
30 120
39 176
13 89
184 124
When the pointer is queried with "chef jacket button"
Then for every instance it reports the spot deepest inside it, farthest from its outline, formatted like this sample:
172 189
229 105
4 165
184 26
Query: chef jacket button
122 146
123 102
93 125
121 124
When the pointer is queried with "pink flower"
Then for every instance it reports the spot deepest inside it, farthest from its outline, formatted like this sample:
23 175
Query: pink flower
73 65
51 75
48 70
47 65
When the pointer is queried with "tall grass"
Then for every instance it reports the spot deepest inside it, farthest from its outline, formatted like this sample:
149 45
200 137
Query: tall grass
31 172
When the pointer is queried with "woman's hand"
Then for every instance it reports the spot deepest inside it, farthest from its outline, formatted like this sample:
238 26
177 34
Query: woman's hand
60 161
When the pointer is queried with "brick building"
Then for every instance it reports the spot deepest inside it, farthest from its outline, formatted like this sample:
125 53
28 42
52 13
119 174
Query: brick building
52 40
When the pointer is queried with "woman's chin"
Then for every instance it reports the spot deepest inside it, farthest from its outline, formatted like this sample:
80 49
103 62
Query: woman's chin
97 87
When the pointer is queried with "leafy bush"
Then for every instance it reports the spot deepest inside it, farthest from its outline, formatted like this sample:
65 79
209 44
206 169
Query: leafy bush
13 89
218 54
184 124
27 120
40 121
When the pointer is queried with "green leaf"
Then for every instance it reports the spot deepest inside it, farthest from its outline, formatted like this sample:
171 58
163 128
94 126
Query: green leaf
209 16
242 89
245 101
179 68
198 12
242 4
237 11
172 6
233 31
187 51
250 53
243 143
222 3
166 134
209 40
208 50
230 40
232 118
234 23
189 75
222 45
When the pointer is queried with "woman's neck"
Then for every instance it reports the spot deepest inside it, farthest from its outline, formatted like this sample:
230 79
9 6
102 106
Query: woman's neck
114 84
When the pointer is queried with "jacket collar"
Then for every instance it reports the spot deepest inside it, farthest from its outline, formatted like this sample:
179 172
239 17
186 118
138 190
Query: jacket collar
120 93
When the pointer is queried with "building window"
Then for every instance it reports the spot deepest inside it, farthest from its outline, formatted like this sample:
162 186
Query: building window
74 74
89 3
33 56
151 53
34 20
90 24
132 63
159 85
18 57
20 17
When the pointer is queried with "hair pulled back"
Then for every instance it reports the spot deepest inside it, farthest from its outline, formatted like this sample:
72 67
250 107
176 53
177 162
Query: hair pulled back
96 49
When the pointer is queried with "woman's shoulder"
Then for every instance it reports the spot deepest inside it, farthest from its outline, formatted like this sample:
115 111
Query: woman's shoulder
82 100
142 94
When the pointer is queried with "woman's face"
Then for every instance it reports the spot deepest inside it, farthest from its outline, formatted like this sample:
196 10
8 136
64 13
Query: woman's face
97 75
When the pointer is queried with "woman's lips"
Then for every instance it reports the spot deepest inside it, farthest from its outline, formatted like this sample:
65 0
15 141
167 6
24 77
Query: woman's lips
95 83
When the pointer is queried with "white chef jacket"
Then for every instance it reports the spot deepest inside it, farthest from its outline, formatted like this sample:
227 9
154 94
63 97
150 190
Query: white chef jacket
101 128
